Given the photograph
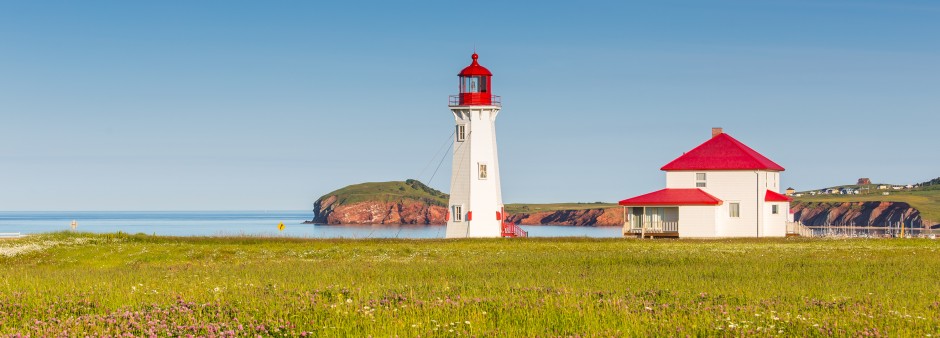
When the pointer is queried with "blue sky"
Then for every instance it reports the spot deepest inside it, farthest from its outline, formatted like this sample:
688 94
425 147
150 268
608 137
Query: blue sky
251 105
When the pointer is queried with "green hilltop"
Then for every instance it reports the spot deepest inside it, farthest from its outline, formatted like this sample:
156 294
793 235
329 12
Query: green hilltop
383 191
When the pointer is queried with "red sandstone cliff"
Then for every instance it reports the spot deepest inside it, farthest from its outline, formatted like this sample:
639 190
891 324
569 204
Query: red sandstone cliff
406 211
876 214
583 217
328 211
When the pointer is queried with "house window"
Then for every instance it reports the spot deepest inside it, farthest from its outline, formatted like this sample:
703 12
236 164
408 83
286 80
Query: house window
700 180
482 170
461 132
734 209
458 213
775 209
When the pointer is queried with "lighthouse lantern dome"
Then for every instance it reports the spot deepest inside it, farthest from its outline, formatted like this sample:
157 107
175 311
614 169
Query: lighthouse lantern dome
475 85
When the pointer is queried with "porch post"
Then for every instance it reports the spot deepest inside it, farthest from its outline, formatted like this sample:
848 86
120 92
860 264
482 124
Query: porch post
643 227
624 228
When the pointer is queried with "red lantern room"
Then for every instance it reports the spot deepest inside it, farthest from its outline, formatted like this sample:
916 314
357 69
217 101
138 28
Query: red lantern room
476 86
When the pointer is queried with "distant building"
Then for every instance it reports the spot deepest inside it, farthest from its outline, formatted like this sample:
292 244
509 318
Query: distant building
790 191
883 187
848 191
909 186
722 188
864 181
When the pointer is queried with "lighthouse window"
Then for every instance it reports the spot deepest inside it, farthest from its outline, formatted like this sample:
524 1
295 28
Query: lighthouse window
482 171
458 213
461 132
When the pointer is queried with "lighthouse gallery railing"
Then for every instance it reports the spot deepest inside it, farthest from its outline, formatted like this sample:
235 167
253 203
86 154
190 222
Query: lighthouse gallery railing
454 100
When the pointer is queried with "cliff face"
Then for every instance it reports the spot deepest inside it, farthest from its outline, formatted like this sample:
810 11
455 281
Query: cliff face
584 217
877 214
328 211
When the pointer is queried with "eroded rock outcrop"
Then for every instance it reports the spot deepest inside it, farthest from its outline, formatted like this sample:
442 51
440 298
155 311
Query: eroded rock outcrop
583 217
328 211
876 214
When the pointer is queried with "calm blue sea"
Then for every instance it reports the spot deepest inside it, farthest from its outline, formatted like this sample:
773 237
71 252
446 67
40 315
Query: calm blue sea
231 223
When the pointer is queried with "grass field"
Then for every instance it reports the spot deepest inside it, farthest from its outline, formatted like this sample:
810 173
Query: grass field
84 284
927 201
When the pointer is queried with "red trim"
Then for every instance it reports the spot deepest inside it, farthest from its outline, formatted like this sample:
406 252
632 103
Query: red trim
722 152
771 196
475 69
469 215
673 197
499 216
447 217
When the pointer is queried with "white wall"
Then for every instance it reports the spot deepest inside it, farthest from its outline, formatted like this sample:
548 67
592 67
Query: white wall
481 197
747 188
775 225
697 221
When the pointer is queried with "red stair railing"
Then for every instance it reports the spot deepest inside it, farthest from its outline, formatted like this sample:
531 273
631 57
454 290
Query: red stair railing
513 230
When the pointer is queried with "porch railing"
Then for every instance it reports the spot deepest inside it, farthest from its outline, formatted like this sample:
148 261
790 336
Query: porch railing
655 227
797 228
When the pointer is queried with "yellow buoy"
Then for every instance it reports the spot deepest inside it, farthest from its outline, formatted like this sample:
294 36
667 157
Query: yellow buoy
280 227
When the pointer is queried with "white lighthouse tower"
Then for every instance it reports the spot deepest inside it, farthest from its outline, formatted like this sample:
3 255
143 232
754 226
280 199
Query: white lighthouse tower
476 203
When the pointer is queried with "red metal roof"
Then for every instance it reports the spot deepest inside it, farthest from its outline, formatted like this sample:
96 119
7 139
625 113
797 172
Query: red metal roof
475 69
776 197
722 152
673 197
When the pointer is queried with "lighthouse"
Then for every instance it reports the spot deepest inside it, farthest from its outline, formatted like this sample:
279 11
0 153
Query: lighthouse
476 203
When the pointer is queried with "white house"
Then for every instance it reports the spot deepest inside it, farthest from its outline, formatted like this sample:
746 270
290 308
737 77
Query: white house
722 188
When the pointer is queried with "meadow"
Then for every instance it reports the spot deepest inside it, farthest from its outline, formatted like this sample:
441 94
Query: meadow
68 284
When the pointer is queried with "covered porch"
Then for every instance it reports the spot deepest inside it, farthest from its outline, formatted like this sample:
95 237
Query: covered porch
656 214
651 222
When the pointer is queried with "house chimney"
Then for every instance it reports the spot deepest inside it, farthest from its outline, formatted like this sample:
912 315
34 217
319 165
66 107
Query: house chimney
716 131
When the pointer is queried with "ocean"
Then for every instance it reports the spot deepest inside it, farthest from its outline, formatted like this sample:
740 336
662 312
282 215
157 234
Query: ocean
240 223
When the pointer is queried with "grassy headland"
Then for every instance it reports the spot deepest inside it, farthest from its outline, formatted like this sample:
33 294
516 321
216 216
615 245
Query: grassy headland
382 191
85 284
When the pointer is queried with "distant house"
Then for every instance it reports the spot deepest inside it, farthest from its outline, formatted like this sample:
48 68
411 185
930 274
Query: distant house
790 191
832 191
722 188
864 181
848 191
909 186
897 187
883 187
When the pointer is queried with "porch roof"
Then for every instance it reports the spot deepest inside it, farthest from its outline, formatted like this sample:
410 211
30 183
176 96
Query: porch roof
673 197
771 196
